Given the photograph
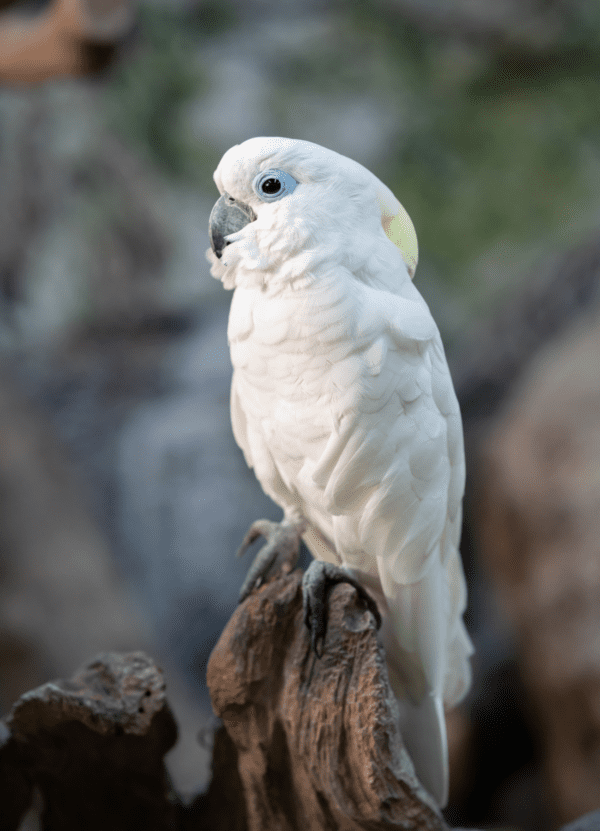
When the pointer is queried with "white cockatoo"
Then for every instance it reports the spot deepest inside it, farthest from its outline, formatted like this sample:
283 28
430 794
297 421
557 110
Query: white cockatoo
343 404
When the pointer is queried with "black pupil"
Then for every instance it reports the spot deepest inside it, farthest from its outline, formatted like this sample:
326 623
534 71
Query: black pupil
271 186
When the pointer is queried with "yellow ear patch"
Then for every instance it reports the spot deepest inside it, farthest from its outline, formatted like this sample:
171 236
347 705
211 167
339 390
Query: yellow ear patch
400 230
398 227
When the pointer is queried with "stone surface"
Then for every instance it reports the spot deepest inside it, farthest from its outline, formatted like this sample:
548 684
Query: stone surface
317 740
539 523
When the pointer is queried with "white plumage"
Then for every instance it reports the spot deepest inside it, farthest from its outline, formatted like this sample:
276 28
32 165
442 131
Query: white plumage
343 404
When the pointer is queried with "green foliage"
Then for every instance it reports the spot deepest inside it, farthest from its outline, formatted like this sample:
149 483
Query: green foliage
153 84
494 167
496 145
502 145
212 18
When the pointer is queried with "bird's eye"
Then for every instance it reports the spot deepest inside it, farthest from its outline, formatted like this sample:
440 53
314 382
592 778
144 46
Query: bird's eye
270 186
273 184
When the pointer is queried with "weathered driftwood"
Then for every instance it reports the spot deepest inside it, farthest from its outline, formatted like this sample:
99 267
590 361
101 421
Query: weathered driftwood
93 746
307 743
317 739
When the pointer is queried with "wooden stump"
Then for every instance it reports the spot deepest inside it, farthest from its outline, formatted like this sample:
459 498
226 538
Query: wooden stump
317 739
93 746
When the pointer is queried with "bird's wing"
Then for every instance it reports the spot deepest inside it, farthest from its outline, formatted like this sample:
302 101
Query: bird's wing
392 476
393 462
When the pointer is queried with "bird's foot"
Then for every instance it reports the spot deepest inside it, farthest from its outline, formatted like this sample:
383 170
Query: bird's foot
319 578
279 554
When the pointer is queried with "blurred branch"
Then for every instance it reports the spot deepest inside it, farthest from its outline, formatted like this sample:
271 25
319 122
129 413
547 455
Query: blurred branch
69 37
556 292
504 23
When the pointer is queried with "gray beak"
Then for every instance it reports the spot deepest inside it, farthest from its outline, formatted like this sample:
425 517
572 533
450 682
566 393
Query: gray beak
227 217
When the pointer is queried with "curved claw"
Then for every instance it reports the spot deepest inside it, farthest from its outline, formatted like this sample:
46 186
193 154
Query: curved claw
318 580
282 546
259 528
258 570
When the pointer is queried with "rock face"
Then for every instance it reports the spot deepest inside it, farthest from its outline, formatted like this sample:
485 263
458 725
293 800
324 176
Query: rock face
540 531
317 741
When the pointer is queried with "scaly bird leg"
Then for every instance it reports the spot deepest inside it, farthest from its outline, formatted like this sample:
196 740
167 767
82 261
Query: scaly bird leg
279 554
319 578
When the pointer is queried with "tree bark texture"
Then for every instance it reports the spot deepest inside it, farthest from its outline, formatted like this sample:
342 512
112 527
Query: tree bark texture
317 739
306 743
93 746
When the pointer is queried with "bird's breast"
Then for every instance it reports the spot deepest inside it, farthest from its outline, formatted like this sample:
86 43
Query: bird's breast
289 353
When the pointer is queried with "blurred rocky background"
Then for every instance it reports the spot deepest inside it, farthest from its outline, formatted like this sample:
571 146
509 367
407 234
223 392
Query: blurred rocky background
122 494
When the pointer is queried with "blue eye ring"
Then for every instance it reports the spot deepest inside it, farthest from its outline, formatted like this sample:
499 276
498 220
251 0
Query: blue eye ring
274 184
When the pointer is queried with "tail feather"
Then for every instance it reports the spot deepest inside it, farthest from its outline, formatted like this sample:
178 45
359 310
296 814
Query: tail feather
423 729
427 651
416 639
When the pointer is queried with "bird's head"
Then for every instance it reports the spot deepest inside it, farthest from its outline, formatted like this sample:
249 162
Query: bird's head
287 206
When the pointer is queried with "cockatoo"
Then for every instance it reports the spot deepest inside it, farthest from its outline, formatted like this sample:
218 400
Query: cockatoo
343 404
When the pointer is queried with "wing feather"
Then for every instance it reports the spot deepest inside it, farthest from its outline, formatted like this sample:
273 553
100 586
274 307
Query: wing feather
391 458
